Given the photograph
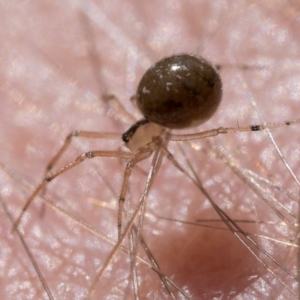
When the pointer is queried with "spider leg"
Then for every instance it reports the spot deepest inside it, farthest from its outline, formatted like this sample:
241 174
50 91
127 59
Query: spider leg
225 130
159 142
81 134
243 236
243 67
123 115
142 154
64 147
77 161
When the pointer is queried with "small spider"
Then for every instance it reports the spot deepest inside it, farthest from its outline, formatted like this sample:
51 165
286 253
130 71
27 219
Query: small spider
178 92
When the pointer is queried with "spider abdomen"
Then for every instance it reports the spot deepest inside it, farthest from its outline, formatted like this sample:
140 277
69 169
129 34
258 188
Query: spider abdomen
179 91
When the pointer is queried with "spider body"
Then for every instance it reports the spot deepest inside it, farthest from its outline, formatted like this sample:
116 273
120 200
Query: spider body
179 91
141 135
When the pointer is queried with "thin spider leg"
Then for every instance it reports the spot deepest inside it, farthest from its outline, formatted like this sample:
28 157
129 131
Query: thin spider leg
289 194
142 240
67 142
142 154
288 167
96 65
81 134
157 166
153 262
133 277
118 245
258 191
159 142
156 163
267 179
122 115
78 160
234 228
243 67
272 139
126 231
267 197
253 187
225 130
231 225
95 60
200 224
239 231
84 225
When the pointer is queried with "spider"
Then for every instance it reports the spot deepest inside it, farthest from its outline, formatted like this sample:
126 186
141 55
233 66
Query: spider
178 92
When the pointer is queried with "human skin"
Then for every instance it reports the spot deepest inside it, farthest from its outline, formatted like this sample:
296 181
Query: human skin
57 59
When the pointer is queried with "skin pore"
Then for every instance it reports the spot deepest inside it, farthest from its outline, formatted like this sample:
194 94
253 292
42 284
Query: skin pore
56 62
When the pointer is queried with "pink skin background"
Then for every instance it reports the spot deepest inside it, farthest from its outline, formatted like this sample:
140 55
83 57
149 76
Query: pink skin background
57 58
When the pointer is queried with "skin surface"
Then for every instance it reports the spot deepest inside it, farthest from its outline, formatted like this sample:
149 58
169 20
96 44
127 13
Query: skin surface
58 58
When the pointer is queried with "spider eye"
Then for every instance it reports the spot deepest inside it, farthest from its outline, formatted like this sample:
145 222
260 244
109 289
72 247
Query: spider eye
179 91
